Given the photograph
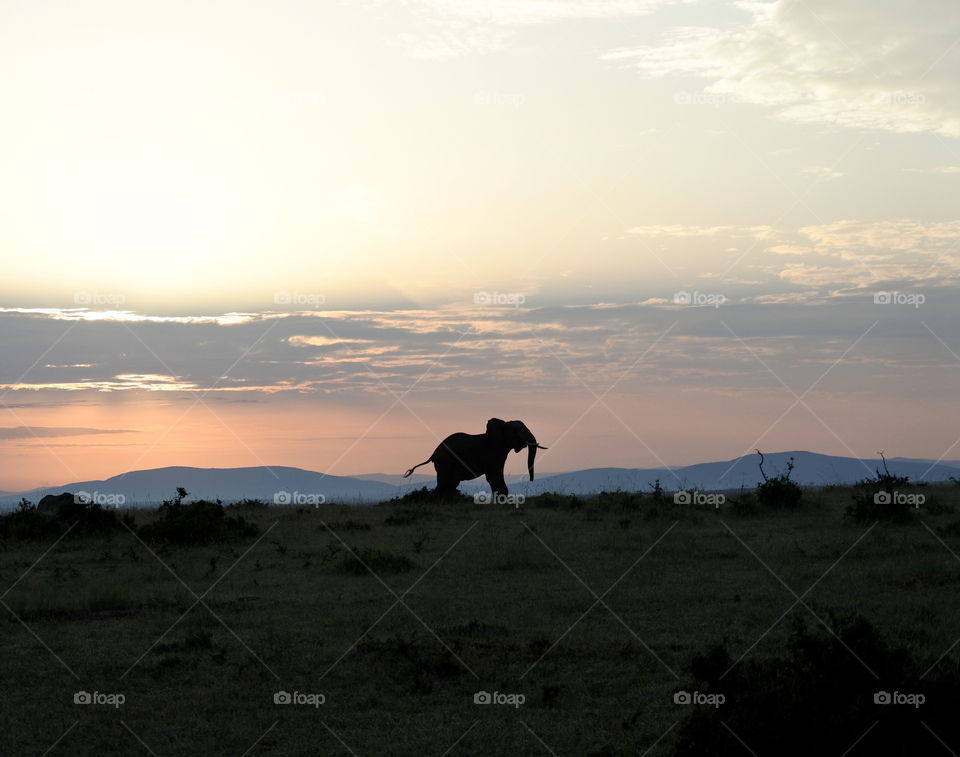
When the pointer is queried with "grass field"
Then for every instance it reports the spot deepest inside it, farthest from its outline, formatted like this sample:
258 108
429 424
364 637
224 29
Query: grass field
590 611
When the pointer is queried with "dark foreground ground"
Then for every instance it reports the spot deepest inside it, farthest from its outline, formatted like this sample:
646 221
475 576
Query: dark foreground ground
583 620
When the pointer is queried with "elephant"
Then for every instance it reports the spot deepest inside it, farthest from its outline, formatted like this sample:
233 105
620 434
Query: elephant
54 503
462 457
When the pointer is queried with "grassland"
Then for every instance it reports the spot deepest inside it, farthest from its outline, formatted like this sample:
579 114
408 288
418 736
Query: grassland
591 609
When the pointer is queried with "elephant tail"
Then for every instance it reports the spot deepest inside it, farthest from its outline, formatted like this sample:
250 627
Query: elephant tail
428 460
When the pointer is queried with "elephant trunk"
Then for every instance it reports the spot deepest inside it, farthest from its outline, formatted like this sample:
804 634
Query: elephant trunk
531 455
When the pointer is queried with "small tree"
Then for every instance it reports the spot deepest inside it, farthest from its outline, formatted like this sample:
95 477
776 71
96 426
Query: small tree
778 491
876 499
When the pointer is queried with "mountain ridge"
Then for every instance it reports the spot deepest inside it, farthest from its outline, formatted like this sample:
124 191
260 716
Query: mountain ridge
292 485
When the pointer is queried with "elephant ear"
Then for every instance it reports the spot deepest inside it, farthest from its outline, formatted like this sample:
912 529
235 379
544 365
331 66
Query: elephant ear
496 429
520 435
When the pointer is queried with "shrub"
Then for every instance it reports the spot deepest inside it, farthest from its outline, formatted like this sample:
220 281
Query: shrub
875 498
819 698
200 522
778 491
26 522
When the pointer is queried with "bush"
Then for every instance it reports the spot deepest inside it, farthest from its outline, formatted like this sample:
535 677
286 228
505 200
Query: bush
26 522
874 499
820 699
200 522
778 492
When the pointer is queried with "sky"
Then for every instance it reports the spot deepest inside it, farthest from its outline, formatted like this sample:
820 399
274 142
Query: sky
327 235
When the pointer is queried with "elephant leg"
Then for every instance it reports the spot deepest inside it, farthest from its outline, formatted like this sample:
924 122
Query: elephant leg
497 484
446 485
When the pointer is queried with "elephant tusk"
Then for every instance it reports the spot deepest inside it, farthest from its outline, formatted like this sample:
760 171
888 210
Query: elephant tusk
540 446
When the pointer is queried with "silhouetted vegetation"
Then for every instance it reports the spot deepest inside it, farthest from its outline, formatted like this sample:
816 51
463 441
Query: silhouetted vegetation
81 517
778 491
499 588
881 498
425 496
825 694
200 522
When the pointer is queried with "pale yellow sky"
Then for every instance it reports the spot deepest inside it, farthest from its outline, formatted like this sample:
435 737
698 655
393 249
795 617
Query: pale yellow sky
572 164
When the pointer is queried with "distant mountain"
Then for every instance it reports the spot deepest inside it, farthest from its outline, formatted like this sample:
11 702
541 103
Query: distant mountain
810 469
298 486
227 484
950 463
397 479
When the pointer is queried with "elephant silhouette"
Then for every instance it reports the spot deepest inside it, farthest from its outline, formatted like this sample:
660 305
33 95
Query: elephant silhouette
462 457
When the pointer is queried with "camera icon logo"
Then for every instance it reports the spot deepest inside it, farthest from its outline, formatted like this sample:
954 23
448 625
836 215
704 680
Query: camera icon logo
282 697
882 498
482 697
682 498
281 498
282 298
681 697
682 298
82 697
882 298
482 498
881 697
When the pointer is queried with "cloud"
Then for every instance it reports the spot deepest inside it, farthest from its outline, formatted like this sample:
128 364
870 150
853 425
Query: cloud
860 63
119 383
838 258
452 28
934 169
824 173
363 357
31 432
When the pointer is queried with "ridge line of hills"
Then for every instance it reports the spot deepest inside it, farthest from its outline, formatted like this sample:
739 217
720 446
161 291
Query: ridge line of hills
150 487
